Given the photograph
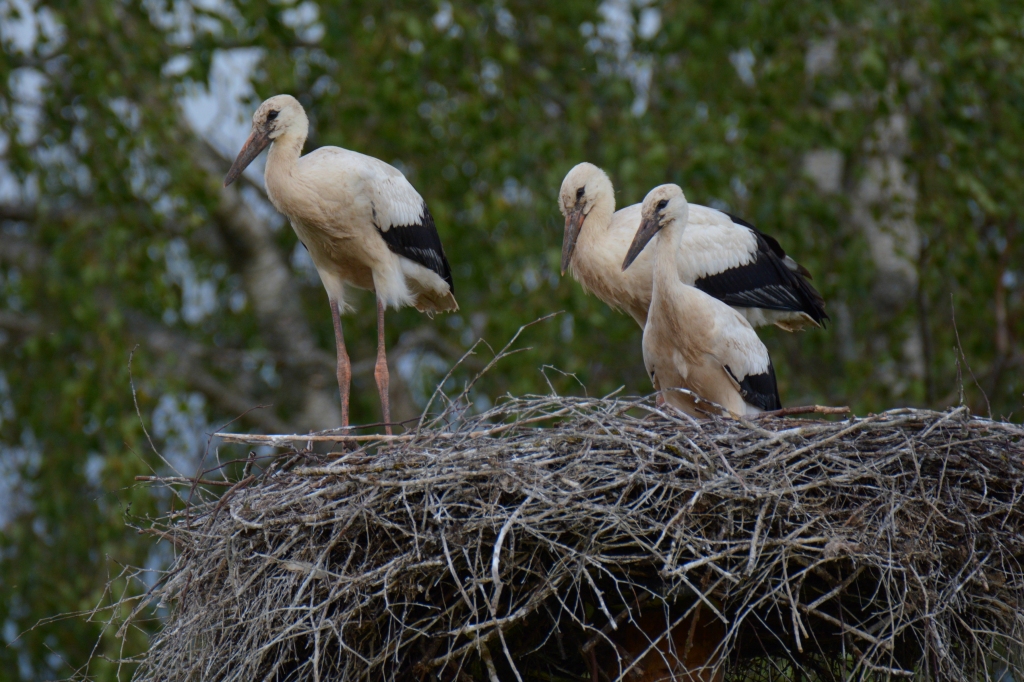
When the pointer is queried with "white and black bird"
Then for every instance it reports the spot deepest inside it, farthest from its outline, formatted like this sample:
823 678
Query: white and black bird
693 340
719 254
363 223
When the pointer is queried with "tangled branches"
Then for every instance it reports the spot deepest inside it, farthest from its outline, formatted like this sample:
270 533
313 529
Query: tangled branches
888 546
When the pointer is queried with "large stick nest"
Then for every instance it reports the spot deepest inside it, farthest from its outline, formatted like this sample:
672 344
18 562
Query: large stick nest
870 548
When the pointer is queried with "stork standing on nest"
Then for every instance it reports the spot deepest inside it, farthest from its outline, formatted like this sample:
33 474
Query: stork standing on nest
719 254
692 340
362 222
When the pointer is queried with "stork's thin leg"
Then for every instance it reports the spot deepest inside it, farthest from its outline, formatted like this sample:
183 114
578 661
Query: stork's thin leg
344 364
380 371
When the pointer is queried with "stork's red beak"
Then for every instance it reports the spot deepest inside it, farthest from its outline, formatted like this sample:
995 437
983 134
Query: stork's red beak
648 228
573 224
257 142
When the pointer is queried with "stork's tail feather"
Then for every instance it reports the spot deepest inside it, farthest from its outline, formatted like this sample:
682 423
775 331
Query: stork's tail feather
430 303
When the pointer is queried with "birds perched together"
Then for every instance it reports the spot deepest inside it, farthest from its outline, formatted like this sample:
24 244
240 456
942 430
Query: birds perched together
695 279
697 292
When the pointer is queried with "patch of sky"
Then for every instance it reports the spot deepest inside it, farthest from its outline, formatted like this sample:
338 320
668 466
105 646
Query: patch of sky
127 111
158 560
732 130
515 193
178 65
531 278
94 465
421 369
481 403
302 264
444 17
18 465
504 21
198 295
304 19
490 72
180 423
185 20
568 327
149 180
25 88
612 39
221 109
10 291
649 24
738 188
17 609
262 207
743 61
27 26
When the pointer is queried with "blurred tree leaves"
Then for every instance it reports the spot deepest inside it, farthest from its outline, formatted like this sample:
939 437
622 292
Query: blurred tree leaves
114 231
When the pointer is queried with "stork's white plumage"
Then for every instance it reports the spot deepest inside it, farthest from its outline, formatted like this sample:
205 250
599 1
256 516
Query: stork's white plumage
362 222
692 340
719 254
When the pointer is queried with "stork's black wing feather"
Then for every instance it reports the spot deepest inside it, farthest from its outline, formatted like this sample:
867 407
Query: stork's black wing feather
760 390
773 243
420 243
765 282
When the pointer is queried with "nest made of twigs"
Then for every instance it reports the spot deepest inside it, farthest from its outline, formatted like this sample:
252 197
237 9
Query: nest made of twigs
878 547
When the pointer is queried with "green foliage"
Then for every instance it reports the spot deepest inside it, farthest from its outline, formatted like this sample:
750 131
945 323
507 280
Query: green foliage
485 106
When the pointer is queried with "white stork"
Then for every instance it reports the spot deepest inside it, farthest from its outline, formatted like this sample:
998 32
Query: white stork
693 340
362 222
719 254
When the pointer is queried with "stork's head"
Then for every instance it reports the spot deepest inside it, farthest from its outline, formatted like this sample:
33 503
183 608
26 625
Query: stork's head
279 115
662 205
585 187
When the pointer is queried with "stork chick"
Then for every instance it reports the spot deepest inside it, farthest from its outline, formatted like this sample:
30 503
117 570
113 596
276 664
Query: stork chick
361 221
719 254
693 340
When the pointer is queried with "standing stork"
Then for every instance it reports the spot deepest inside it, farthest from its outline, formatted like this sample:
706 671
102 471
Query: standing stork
362 222
719 254
693 340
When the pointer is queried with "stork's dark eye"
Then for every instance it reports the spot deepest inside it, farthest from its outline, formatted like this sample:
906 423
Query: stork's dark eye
272 114
579 193
662 204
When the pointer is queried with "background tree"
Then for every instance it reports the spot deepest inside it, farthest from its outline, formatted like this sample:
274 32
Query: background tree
879 141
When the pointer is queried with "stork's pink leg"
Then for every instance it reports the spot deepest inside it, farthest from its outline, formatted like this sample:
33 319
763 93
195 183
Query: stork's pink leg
344 364
380 371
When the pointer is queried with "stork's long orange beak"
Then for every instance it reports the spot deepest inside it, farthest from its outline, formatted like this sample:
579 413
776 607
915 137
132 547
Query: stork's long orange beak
257 142
648 228
573 224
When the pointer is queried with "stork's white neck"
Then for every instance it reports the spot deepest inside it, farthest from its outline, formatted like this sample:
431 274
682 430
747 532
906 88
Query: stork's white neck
598 220
285 150
281 161
670 239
